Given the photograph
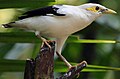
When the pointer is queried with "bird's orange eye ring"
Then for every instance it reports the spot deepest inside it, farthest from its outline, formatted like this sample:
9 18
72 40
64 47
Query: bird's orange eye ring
97 8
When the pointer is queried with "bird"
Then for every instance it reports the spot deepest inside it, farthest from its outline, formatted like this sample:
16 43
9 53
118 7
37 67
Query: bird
59 21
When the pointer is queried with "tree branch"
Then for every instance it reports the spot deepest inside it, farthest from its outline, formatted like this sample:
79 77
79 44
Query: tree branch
42 66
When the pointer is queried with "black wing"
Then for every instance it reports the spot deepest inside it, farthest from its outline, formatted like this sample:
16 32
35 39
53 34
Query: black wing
41 12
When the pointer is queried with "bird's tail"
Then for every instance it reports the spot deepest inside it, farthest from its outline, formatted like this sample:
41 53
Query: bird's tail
9 25
6 26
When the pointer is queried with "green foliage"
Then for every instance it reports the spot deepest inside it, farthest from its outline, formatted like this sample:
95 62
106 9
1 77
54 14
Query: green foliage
23 3
29 37
105 60
19 65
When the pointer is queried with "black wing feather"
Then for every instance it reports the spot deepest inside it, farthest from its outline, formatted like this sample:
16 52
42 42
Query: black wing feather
41 12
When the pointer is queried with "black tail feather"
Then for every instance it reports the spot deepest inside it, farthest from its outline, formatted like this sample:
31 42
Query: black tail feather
6 26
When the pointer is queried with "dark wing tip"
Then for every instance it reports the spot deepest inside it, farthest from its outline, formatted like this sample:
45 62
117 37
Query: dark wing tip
37 12
22 17
7 25
42 12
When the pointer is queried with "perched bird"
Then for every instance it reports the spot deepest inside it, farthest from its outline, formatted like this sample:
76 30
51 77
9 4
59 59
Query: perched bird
59 21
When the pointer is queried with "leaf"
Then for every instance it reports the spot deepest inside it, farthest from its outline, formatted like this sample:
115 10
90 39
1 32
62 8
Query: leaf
60 67
76 39
12 65
21 37
4 49
18 66
103 67
93 41
29 37
23 3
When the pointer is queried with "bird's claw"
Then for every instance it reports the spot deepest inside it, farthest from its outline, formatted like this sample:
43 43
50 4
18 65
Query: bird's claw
47 43
79 67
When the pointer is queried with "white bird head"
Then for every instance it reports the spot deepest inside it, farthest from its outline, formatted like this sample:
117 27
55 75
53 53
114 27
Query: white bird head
92 9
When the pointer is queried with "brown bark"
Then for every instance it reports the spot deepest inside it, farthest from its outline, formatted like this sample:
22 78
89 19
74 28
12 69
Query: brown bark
43 65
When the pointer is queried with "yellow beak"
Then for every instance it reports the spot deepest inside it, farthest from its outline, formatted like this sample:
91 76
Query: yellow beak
109 11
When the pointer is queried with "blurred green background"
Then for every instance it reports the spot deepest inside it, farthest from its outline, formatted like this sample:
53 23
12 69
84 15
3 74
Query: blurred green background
17 45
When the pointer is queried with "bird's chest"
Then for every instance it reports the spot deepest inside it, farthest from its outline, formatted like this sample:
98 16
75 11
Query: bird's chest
75 24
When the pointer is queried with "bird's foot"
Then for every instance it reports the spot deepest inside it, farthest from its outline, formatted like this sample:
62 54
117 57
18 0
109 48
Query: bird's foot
47 43
78 67
81 64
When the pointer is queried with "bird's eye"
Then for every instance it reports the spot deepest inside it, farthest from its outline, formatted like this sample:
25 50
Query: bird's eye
97 8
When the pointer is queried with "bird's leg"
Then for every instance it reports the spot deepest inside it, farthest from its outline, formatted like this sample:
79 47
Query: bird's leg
37 33
65 61
60 42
